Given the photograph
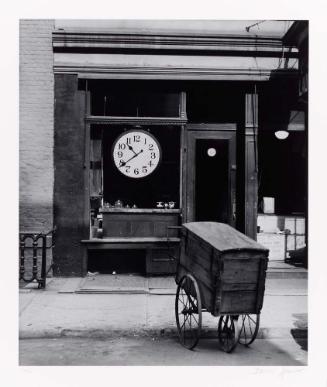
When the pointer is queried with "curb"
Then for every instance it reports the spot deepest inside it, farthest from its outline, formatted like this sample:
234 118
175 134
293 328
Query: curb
282 274
263 333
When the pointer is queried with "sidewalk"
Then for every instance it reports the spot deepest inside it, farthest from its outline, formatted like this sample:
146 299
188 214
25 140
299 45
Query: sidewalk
107 306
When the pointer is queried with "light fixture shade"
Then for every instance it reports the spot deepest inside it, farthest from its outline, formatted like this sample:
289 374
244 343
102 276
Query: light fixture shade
282 134
211 152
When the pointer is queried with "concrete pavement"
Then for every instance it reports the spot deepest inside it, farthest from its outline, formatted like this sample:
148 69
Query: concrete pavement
159 351
69 307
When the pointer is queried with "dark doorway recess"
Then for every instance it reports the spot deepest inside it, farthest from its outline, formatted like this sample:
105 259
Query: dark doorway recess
120 261
211 187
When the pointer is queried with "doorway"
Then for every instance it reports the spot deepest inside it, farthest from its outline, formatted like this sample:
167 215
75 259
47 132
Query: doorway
211 173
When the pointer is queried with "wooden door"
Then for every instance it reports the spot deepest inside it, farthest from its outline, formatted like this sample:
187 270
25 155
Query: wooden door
210 185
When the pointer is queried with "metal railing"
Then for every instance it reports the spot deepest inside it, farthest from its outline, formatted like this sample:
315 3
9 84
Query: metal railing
35 238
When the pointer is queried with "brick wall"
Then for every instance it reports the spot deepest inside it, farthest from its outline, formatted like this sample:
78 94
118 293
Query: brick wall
36 94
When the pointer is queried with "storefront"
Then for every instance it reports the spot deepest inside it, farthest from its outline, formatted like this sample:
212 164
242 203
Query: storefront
153 129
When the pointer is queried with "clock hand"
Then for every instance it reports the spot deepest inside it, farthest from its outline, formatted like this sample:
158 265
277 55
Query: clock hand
130 148
125 162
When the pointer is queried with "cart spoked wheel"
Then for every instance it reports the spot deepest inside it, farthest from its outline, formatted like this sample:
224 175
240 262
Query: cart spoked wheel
249 328
188 311
228 332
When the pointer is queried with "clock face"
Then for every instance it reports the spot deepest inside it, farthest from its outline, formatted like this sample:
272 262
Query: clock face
136 153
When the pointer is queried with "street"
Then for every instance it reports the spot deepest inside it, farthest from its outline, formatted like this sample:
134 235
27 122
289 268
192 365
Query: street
147 350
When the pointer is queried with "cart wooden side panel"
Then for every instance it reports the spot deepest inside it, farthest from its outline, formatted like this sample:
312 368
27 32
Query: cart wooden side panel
197 258
242 283
207 295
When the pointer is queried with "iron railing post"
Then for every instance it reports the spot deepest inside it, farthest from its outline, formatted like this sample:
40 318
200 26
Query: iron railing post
22 258
42 283
35 245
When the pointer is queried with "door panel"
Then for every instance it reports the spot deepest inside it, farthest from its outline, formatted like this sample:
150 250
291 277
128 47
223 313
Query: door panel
211 175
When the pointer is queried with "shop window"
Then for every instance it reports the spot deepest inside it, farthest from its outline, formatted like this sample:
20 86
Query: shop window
111 185
283 171
133 100
282 148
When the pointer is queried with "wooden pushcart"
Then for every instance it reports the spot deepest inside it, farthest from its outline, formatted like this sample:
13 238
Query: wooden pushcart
223 272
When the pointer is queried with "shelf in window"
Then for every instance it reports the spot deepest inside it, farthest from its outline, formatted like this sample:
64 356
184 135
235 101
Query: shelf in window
141 210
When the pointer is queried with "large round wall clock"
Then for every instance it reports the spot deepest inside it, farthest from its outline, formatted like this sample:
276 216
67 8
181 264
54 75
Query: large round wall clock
136 153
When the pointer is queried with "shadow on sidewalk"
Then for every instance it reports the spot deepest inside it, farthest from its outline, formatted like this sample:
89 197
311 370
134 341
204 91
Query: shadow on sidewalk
300 333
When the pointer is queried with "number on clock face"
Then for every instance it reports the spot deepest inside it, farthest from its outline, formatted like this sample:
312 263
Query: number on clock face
136 153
